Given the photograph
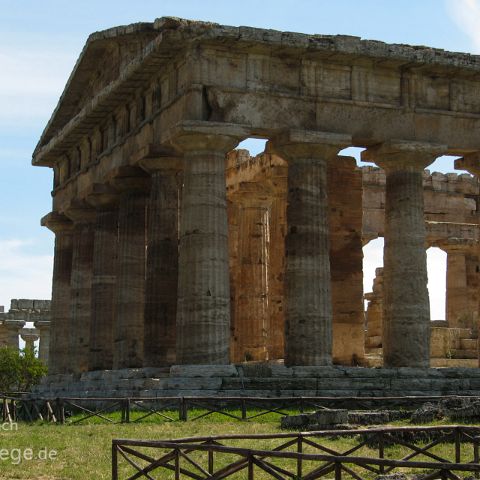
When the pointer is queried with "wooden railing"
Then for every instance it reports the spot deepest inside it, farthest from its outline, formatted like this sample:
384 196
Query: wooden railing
73 410
450 452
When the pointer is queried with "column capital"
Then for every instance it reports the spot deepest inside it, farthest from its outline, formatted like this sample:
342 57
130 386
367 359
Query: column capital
469 162
80 213
200 136
30 334
129 180
403 154
57 223
166 160
102 197
308 144
42 324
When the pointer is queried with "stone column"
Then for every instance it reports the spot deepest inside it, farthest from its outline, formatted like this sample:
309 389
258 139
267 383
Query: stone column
406 321
43 326
162 260
203 309
460 312
105 201
308 319
81 288
61 291
128 330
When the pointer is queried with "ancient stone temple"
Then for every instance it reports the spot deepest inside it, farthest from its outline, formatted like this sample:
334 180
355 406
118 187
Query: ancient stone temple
173 250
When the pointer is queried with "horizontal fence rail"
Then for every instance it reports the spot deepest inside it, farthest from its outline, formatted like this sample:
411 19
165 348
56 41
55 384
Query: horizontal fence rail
304 455
74 410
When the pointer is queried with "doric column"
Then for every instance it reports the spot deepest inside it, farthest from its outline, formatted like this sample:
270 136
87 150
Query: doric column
81 287
133 184
61 291
458 305
308 316
105 201
43 326
162 259
203 309
406 322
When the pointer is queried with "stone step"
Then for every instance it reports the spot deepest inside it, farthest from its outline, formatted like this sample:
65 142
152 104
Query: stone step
468 343
374 351
453 363
463 353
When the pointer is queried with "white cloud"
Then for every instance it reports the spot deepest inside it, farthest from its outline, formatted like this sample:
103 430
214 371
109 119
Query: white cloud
31 83
466 14
23 274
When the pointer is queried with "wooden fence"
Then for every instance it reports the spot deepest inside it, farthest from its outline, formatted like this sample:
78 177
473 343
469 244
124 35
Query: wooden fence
70 410
444 452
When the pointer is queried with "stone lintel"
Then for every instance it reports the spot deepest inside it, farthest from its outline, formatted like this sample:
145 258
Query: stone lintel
129 179
403 154
56 222
14 324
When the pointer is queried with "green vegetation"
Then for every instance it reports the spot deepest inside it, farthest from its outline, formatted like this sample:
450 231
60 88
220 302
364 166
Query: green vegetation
83 451
19 370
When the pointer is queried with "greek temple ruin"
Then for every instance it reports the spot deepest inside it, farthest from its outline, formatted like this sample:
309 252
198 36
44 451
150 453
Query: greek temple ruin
13 325
183 264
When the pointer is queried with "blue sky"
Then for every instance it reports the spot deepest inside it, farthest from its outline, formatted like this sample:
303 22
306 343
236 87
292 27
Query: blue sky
41 40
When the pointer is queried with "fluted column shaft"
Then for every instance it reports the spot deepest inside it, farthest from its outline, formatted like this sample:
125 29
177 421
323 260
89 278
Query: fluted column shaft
81 283
58 354
308 316
103 289
162 262
43 326
130 290
406 320
203 309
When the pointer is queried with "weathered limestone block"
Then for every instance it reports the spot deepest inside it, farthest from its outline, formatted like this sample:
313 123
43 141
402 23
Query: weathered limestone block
203 371
320 418
308 322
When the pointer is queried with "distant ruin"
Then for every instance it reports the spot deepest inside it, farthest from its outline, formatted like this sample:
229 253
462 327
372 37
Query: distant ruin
172 251
13 325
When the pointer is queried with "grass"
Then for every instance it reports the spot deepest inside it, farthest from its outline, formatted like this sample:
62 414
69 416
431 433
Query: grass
84 450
